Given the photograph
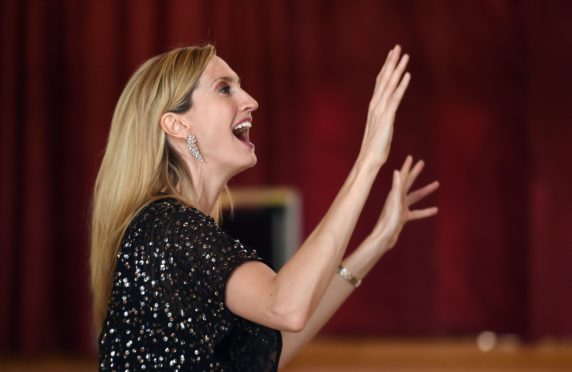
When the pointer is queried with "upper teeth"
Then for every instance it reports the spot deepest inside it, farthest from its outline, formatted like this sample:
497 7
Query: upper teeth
244 125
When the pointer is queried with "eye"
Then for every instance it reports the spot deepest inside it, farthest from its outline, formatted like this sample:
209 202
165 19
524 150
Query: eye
224 89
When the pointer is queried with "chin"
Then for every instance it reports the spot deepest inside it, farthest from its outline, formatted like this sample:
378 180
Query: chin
254 160
245 165
251 163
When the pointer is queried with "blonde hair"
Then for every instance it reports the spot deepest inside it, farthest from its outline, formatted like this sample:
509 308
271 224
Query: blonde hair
139 164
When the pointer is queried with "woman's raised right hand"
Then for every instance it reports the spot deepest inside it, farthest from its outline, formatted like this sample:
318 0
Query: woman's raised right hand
390 86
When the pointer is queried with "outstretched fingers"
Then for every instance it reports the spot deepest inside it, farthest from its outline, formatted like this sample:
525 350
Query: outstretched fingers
421 193
388 66
412 176
422 213
393 82
387 72
397 96
406 168
409 174
383 69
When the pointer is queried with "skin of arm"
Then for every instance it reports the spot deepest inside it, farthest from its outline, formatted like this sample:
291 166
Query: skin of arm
286 300
295 291
396 213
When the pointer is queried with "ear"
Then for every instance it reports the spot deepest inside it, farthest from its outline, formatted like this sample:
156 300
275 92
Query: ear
172 124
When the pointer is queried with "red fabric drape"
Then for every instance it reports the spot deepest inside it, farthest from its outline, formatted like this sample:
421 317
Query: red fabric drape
488 109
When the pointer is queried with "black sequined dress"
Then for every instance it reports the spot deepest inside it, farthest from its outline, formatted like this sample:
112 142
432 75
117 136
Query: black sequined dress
166 310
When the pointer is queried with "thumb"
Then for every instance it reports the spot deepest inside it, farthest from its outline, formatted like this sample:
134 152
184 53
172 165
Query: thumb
395 190
396 180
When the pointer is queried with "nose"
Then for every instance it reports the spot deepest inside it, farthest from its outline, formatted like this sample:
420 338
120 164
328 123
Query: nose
249 104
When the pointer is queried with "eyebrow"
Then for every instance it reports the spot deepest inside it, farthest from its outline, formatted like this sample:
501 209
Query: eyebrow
228 79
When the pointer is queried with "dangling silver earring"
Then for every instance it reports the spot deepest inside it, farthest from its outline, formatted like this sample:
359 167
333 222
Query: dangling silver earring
193 148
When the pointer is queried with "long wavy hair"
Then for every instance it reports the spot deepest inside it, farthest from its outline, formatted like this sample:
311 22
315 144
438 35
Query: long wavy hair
139 165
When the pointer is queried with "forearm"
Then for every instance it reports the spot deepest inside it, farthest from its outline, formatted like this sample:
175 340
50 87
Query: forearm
360 262
301 283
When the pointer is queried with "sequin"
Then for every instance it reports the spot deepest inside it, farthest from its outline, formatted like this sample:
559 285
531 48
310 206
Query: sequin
166 310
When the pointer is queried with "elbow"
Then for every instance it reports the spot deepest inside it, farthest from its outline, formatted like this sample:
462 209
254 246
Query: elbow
295 324
291 320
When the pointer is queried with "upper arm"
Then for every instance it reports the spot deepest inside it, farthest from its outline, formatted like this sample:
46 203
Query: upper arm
250 293
220 269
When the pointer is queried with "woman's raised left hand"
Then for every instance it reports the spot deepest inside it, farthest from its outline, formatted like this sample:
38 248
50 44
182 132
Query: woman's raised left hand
397 209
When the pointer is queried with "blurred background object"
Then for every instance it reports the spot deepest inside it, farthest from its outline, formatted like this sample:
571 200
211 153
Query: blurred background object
488 110
266 219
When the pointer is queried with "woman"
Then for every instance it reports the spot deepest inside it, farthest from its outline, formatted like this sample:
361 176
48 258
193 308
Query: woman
171 289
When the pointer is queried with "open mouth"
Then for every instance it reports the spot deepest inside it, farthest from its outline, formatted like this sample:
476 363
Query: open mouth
241 131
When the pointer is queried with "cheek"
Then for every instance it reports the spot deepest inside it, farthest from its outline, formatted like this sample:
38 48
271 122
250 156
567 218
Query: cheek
220 124
217 115
208 125
216 137
212 124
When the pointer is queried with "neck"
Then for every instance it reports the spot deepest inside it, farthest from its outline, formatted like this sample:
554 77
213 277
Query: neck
208 186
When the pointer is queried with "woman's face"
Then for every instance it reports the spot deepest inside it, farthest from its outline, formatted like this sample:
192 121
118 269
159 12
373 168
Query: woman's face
220 118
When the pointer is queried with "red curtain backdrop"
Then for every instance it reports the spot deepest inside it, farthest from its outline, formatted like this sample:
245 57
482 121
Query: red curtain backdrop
488 109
